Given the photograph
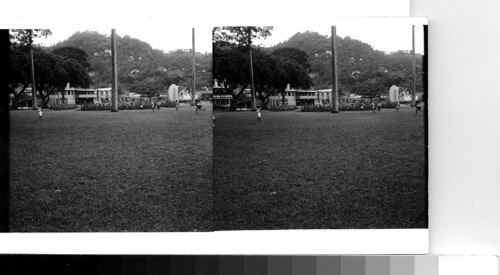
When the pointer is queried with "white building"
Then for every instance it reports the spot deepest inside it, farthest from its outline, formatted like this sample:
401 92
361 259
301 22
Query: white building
72 96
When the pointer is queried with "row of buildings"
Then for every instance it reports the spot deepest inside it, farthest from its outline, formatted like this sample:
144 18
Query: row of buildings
223 97
79 96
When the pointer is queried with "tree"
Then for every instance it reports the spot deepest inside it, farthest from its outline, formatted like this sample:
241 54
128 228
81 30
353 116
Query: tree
151 84
298 55
243 36
291 69
74 53
317 49
52 72
24 38
227 63
134 55
273 72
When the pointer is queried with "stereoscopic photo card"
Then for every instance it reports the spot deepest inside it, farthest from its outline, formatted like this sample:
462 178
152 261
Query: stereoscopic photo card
260 133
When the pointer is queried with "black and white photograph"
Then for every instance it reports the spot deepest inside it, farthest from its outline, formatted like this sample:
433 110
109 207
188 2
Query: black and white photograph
110 129
320 127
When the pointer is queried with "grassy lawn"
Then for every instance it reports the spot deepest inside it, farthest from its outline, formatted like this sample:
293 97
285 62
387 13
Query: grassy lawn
134 170
320 170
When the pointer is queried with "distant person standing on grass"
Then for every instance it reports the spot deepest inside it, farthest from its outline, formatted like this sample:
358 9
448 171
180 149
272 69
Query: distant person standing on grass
372 106
153 106
398 106
419 107
40 113
198 106
177 105
259 114
158 106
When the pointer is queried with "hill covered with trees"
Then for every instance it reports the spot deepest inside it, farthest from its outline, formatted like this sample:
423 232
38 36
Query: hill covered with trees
139 65
362 69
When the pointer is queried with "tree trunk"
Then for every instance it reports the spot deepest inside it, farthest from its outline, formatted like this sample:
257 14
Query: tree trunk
232 105
15 101
44 98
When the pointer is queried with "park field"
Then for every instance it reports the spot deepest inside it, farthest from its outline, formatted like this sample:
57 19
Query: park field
98 171
295 170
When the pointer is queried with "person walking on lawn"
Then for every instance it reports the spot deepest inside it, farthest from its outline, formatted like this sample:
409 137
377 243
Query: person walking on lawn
153 106
198 106
40 113
177 105
259 115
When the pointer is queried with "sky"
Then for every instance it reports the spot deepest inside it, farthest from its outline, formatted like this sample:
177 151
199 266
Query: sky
166 39
385 34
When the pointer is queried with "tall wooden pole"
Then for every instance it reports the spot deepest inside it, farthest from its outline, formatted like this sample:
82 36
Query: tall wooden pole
194 72
414 90
114 72
335 95
33 84
252 85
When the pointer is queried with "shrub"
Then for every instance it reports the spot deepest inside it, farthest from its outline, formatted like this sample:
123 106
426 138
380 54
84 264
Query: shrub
124 106
316 108
283 108
167 104
388 105
64 106
96 107
221 107
360 106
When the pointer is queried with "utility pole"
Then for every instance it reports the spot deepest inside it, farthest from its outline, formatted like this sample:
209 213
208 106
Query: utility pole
413 66
33 84
194 73
114 82
252 85
335 95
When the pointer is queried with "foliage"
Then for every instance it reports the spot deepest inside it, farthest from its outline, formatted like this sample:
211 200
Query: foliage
273 71
73 53
53 71
136 105
63 107
281 108
388 105
239 35
24 37
358 106
151 84
361 68
137 60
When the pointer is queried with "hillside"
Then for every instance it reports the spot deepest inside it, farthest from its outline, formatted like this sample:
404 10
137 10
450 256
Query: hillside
135 58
